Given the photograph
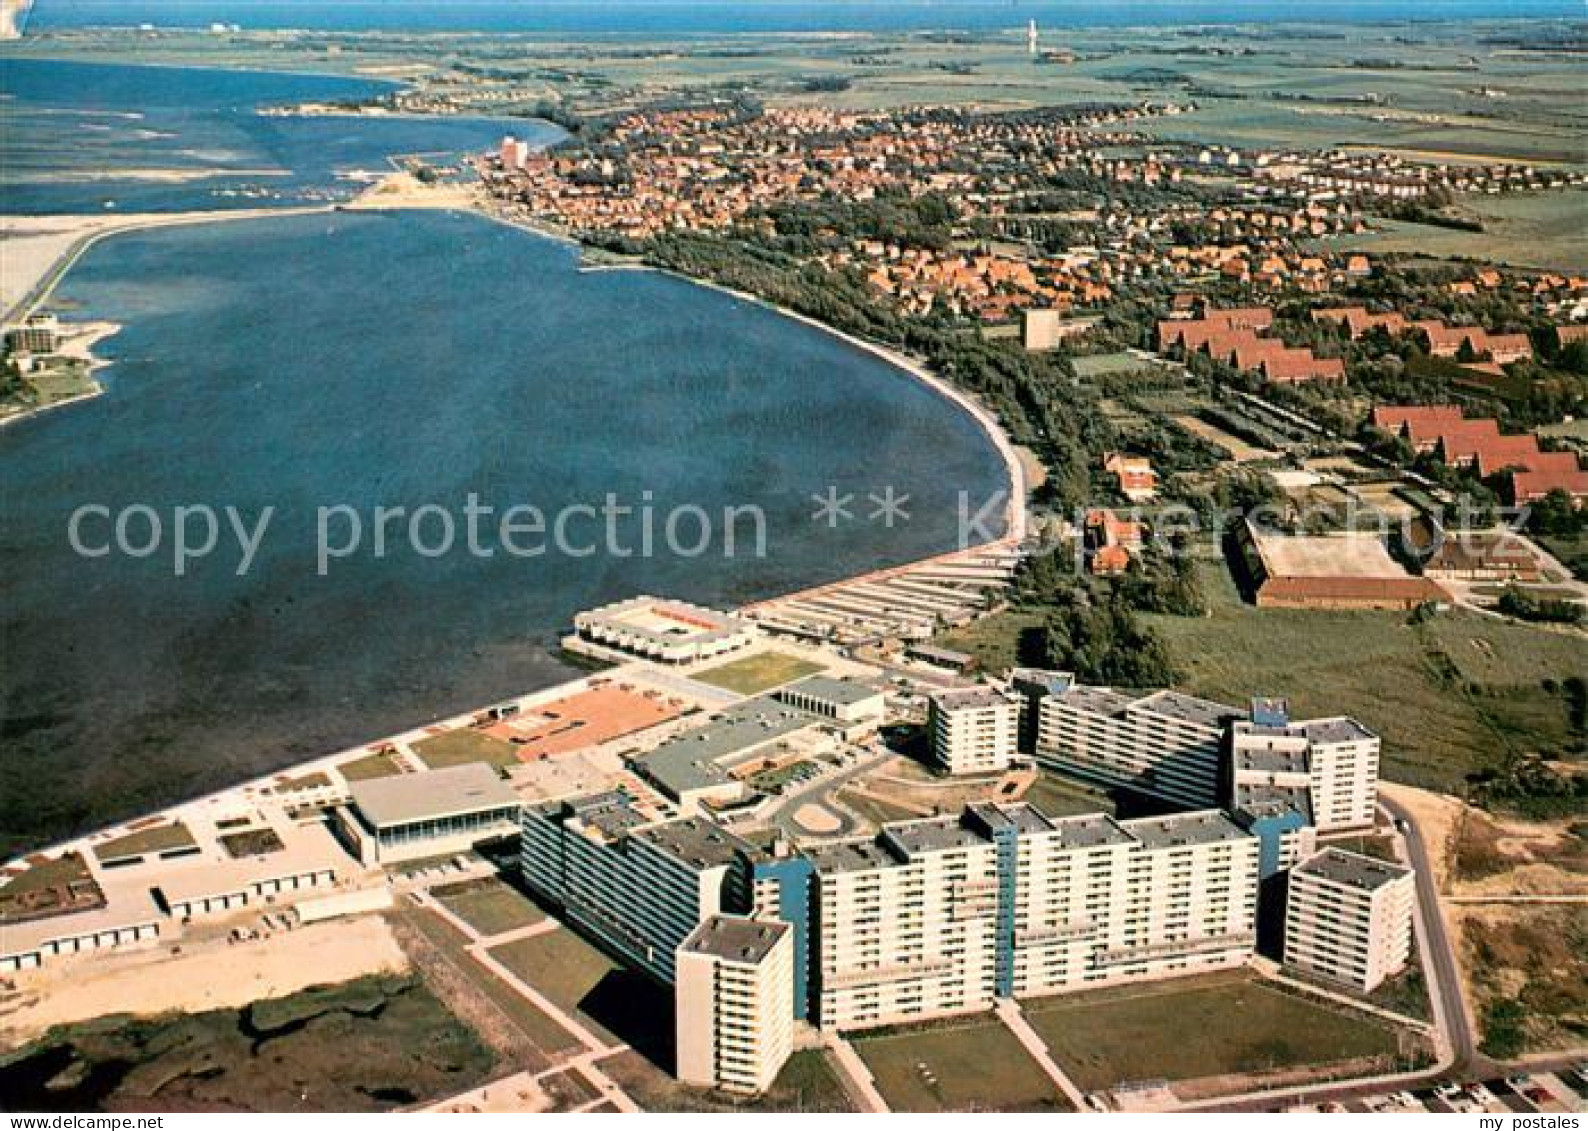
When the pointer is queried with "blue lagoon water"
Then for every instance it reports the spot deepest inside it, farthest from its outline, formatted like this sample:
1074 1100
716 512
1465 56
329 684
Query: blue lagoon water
399 359
89 137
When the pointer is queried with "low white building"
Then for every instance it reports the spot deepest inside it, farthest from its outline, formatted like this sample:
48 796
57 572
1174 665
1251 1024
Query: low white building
974 730
411 816
1348 918
735 979
669 632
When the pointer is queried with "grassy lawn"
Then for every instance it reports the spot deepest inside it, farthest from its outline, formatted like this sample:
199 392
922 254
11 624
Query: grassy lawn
160 838
541 1030
559 964
459 747
1057 797
755 674
807 1083
1449 697
608 996
1239 1025
489 906
972 1066
994 640
371 766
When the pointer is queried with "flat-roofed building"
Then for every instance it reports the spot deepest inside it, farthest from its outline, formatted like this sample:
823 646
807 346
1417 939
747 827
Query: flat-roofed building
1164 744
735 1029
973 730
905 925
695 766
409 816
853 706
1348 918
947 915
639 887
670 632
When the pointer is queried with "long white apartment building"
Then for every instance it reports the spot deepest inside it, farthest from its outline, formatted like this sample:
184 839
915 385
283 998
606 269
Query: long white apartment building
1348 918
735 982
973 730
1164 743
904 925
946 915
641 887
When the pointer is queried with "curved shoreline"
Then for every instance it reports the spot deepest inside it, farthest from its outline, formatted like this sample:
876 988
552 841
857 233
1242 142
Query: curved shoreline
1015 469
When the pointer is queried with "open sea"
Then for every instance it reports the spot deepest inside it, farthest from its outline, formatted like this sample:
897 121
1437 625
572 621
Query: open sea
357 360
704 17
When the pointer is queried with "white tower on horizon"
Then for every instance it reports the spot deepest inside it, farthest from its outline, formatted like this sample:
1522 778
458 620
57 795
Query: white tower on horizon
1031 38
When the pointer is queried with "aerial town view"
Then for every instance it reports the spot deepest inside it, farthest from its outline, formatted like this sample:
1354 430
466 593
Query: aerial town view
849 556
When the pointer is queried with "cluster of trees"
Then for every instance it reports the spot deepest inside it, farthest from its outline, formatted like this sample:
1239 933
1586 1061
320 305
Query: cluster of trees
1515 602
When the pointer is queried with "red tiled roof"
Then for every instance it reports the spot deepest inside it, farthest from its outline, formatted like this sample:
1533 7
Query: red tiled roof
1421 422
1353 589
1528 486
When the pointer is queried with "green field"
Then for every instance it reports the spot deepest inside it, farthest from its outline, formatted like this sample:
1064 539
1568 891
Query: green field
975 1065
1449 697
490 907
755 674
559 964
160 838
1058 796
543 1035
1187 1030
808 1082
371 766
608 996
993 640
459 747
1536 230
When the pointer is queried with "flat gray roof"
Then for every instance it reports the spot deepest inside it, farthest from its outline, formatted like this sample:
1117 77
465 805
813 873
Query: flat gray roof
1097 700
611 812
968 697
1090 830
1273 800
1186 708
850 856
844 691
1272 761
695 841
691 760
1353 869
403 798
1015 815
1183 829
1336 730
736 939
932 834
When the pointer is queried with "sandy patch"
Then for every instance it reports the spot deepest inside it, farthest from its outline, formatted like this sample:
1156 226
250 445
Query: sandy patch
817 819
150 982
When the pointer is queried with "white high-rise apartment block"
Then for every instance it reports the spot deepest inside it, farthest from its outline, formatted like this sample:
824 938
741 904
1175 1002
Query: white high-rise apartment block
1348 918
904 925
1166 744
974 730
639 887
735 982
1343 758
948 914
1335 761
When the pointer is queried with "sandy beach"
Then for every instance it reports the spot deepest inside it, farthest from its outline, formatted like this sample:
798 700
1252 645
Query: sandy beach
213 975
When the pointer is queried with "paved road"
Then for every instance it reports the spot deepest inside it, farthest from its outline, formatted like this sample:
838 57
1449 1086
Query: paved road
1448 973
